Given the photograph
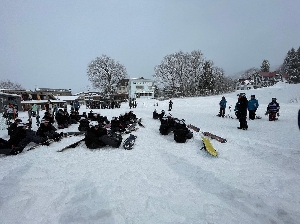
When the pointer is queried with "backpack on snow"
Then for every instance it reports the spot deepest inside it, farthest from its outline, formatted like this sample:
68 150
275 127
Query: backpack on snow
180 135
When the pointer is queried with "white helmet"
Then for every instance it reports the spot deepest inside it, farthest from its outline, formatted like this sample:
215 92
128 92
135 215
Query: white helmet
94 123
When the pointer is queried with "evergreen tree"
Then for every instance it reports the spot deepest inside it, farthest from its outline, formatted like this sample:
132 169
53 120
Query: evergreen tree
207 79
265 67
291 65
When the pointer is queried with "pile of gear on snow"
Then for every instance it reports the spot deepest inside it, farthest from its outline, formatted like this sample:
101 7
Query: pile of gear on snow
169 124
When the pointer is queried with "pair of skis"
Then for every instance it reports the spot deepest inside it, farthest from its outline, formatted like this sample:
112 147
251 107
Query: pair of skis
208 134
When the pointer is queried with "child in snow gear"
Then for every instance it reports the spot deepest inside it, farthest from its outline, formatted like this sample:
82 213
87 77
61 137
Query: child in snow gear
252 107
222 107
61 119
242 111
273 109
13 127
97 137
84 124
19 140
48 131
155 114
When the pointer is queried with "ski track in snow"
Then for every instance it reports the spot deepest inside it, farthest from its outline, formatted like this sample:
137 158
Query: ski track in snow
254 179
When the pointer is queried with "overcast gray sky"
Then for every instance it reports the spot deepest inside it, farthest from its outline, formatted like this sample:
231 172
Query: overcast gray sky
50 43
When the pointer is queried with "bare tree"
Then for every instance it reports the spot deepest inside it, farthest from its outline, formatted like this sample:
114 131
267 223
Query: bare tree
165 73
7 84
104 73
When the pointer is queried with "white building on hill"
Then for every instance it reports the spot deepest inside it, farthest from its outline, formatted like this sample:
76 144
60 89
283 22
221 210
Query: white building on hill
140 88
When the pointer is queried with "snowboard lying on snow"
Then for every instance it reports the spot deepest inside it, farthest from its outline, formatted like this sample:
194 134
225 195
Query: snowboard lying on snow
206 142
208 147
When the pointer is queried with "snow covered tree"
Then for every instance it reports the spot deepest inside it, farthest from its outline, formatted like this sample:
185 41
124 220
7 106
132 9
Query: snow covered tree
195 68
291 66
7 84
249 73
184 74
207 79
168 72
265 67
104 73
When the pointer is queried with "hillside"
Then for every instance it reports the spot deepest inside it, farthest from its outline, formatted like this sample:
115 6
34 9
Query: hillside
255 178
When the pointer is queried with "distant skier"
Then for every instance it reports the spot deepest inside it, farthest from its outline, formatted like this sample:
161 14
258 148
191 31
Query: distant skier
222 107
252 107
170 105
242 111
273 109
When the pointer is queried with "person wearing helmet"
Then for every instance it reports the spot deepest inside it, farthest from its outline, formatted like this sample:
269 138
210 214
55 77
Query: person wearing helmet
242 111
273 109
84 124
97 137
222 107
92 138
48 131
13 127
252 107
155 114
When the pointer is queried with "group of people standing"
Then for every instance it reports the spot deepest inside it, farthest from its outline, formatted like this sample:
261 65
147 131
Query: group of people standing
244 105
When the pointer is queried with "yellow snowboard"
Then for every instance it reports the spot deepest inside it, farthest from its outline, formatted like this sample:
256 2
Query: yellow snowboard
208 147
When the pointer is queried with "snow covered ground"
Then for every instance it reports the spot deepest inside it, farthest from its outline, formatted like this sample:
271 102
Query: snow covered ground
255 178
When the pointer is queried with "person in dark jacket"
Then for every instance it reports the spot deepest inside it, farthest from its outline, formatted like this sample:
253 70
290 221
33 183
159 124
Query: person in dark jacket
155 114
242 111
13 127
48 116
19 140
48 131
84 124
61 119
236 108
93 135
170 105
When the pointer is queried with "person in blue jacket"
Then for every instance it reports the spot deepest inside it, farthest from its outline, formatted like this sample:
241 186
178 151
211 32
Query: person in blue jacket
252 107
222 107
76 105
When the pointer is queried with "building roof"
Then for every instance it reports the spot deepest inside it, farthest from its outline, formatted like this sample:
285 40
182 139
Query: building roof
41 101
67 98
